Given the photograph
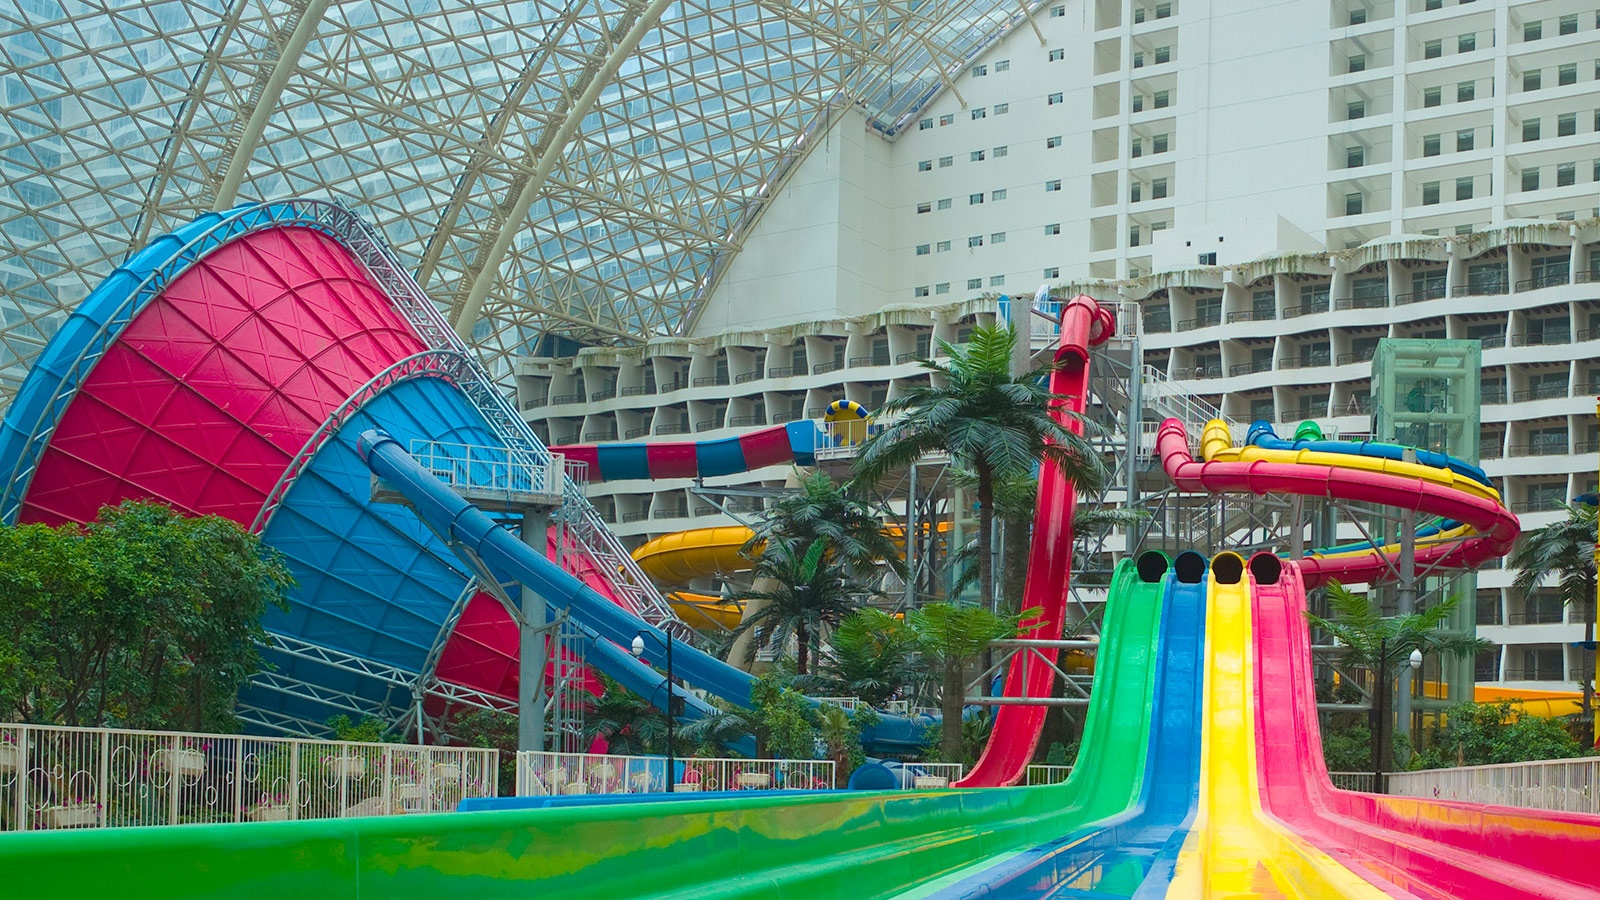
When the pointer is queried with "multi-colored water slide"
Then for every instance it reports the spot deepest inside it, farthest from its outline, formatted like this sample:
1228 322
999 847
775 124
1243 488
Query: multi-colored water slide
1015 736
1271 822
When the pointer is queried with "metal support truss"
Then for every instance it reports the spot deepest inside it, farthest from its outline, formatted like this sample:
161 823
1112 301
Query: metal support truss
1032 652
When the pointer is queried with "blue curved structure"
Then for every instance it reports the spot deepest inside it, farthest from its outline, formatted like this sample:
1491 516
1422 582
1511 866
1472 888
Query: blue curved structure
1263 435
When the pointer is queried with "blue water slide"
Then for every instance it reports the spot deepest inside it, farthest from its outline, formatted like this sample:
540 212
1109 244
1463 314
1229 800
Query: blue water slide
505 554
1261 434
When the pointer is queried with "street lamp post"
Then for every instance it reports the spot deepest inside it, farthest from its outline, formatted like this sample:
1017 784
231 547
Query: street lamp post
1415 662
638 650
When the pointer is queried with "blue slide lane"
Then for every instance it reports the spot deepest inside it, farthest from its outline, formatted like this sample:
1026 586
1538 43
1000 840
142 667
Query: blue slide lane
1261 434
1134 854
506 555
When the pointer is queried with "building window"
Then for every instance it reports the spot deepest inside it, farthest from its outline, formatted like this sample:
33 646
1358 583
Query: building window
975 241
1531 79
980 113
1530 179
974 199
1002 65
1162 99
946 162
1206 259
1355 109
1532 31
944 203
924 249
943 246
1355 157
996 280
1464 139
1058 55
925 165
1057 12
1134 192
1356 63
1138 103
920 291
1566 174
1566 124
1051 143
1466 90
1163 54
1133 235
976 156
1050 186
947 119
1001 109
1053 99
1464 188
925 124
974 284
999 237
1430 145
1001 151
1358 16
1158 144
942 288
997 194
1530 130
1352 204
1432 97
1138 147
1430 193
1467 43
1569 24
1567 73
924 207
1138 59
1052 228
979 71
1432 49
1052 272
1158 188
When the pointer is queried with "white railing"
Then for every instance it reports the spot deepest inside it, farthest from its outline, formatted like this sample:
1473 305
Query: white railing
1048 774
1352 781
1045 319
549 774
511 470
1564 785
59 777
924 776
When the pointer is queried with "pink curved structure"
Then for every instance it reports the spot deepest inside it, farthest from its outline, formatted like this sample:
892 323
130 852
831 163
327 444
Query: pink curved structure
1433 849
1496 527
1016 728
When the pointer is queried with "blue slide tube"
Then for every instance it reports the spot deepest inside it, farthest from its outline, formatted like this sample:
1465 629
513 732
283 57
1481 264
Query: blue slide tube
448 514
1261 434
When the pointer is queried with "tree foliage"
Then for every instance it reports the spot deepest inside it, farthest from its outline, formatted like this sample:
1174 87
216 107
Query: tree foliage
143 618
628 723
811 591
827 511
874 657
950 638
787 724
989 420
1565 549
1475 734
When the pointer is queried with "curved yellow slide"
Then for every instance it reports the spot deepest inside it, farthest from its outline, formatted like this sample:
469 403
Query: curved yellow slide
683 556
1234 849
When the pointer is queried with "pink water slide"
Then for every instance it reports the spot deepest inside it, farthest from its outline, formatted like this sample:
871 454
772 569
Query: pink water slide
1495 528
1016 728
1427 848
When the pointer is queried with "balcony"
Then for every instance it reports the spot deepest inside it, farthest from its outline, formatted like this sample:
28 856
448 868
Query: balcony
1157 325
1198 372
1589 446
1541 392
1541 338
634 516
566 398
1481 288
594 437
1307 309
673 385
1252 315
1535 673
563 439
676 428
707 425
825 368
910 357
1206 321
1492 394
708 380
636 432
875 360
597 396
1547 616
783 371
747 377
1357 356
1429 293
746 421
792 416
638 390
1251 368
1489 451
1540 448
1303 362
1547 279
1491 341
671 512
1373 302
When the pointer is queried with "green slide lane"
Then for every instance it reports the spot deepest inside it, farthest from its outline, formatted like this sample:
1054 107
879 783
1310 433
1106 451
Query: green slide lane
768 846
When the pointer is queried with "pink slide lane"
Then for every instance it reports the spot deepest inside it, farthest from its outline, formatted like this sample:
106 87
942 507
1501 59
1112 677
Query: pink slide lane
1433 849
1496 527
1016 728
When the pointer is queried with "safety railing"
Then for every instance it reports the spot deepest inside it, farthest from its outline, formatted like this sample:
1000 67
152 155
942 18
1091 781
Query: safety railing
551 774
1563 785
55 777
924 776
476 470
1048 774
1353 781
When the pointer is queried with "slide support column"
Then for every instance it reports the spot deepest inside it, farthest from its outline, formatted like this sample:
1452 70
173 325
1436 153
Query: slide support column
531 698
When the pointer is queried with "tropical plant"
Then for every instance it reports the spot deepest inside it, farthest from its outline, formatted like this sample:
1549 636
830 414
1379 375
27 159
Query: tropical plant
489 729
988 419
787 727
874 657
1475 734
822 509
809 592
1384 644
1565 549
950 638
840 732
630 725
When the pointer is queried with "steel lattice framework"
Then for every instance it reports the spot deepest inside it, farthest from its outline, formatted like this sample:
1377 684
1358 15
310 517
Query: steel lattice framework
584 169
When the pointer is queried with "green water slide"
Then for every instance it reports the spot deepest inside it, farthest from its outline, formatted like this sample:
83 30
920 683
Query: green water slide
768 846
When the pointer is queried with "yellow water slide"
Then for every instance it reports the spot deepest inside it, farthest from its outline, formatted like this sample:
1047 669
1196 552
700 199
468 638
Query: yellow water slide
683 556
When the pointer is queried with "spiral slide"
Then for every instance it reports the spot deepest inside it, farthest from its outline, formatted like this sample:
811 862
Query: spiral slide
1015 736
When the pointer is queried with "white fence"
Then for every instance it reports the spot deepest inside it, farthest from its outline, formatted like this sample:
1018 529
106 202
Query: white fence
1048 774
544 774
1352 781
57 777
924 776
1565 785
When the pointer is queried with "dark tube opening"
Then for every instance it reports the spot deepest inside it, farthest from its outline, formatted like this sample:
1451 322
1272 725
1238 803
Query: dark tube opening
1152 566
1227 568
1190 566
1266 568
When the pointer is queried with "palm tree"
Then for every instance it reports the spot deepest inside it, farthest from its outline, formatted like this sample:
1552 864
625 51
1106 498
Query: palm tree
874 656
1566 549
1384 645
950 638
986 418
809 593
629 724
823 509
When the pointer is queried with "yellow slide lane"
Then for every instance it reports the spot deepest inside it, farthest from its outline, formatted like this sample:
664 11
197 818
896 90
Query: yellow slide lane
1234 849
683 556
